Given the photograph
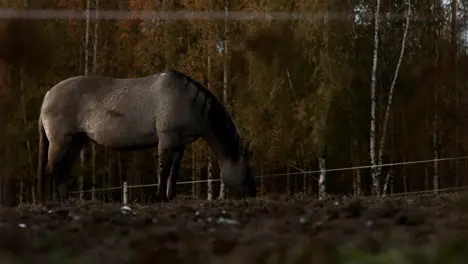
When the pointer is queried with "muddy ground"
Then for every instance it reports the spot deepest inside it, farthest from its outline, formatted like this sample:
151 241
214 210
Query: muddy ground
264 230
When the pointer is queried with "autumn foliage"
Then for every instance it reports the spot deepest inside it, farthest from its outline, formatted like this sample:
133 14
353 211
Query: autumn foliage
298 88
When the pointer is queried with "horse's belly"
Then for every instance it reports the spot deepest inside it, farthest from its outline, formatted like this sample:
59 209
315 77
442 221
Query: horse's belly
128 142
121 134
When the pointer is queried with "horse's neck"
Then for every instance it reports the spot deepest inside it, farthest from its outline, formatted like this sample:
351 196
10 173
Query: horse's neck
225 156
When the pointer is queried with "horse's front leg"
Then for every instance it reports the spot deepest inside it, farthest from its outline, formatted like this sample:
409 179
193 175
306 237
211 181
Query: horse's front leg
174 174
165 162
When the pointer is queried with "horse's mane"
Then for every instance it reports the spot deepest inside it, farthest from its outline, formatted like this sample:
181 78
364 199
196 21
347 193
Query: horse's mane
219 120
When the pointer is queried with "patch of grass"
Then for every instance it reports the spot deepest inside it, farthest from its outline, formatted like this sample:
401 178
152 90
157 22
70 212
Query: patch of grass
60 257
454 252
353 255
449 252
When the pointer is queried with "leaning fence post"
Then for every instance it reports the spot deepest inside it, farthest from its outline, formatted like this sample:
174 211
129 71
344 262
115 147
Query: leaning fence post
124 192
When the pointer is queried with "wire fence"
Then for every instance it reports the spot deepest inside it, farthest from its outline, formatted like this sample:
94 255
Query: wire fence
442 190
125 187
67 14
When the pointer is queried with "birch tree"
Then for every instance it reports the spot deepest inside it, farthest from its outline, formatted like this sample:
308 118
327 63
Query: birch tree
86 69
372 132
435 124
289 89
194 172
95 65
26 126
390 97
209 161
30 169
222 190
322 178
322 146
455 79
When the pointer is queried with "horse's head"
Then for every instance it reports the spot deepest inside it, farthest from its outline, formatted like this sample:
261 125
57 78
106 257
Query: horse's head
239 173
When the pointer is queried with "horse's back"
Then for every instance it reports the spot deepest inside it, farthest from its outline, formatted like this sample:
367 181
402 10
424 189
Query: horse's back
122 112
102 107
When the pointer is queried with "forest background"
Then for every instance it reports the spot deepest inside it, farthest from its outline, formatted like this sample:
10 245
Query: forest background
301 89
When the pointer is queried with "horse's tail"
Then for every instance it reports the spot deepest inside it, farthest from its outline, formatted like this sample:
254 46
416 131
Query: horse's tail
42 160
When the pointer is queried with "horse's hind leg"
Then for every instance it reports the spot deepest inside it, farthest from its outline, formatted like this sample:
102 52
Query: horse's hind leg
57 151
66 164
174 175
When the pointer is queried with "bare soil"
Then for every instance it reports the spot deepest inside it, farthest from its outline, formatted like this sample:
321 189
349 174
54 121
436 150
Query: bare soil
264 230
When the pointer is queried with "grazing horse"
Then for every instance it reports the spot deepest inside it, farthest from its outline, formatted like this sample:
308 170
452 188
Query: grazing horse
167 110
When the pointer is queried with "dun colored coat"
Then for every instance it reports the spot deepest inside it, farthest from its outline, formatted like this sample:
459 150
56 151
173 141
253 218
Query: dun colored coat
167 110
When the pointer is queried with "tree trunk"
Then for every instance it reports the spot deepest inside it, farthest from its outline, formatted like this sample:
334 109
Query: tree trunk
454 40
198 167
426 177
403 156
30 169
137 180
7 195
105 194
120 169
96 38
356 172
222 191
21 191
194 184
435 121
210 162
435 143
26 126
390 95
388 181
322 191
210 178
372 134
304 183
262 182
33 194
93 146
86 68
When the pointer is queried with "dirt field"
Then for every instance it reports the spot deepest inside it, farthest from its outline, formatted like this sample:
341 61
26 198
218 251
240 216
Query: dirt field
267 230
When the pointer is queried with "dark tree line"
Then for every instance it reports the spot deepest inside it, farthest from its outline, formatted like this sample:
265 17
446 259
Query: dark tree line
300 89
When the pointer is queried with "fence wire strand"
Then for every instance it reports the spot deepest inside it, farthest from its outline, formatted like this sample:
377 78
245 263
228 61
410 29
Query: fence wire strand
305 173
